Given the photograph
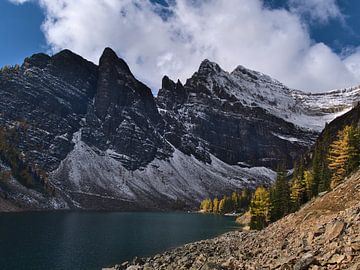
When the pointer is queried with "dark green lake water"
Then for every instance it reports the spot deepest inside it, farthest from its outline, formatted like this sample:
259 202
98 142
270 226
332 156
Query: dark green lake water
91 240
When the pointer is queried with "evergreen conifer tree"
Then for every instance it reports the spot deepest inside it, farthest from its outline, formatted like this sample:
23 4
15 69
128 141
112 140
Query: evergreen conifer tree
280 197
340 153
259 208
216 205
234 202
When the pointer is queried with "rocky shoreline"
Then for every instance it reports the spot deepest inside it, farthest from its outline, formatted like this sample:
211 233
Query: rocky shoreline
325 234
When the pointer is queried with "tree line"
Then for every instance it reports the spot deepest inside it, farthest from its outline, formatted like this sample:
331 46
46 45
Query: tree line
235 203
331 163
7 68
21 170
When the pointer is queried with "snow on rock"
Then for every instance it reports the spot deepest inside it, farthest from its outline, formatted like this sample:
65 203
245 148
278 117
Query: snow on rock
180 177
289 138
306 110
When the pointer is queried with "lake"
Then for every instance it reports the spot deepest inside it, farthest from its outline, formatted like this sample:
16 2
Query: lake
91 240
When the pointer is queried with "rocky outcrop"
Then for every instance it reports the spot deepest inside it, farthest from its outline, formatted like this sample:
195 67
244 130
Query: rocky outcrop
6 206
204 116
124 118
171 95
324 234
44 100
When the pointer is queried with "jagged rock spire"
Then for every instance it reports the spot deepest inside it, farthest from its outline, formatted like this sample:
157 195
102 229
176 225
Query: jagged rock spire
171 94
112 77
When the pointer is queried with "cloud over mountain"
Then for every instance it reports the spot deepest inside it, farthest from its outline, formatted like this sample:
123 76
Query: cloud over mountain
173 40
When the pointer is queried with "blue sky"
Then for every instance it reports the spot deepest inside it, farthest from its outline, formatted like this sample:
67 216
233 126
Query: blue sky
334 33
20 31
22 35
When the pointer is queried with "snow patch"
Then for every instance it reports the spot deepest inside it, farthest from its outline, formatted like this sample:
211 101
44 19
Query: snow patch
179 177
305 110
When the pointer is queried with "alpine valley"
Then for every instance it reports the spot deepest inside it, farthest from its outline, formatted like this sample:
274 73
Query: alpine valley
75 135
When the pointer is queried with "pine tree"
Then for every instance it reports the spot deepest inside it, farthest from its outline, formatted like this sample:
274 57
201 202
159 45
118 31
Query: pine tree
227 204
295 194
280 197
259 208
299 192
206 206
234 202
216 205
244 198
222 206
325 174
316 170
354 142
308 180
340 153
202 205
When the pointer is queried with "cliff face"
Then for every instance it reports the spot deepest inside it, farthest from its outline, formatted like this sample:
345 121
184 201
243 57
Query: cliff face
101 140
124 118
209 115
45 100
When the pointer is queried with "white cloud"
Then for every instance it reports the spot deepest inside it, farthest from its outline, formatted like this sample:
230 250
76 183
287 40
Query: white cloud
352 61
317 10
18 2
230 32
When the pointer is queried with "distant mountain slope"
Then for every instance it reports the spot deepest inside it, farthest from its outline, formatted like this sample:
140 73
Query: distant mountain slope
99 136
245 116
254 89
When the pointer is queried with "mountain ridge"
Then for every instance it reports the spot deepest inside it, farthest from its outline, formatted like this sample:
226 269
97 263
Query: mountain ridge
217 133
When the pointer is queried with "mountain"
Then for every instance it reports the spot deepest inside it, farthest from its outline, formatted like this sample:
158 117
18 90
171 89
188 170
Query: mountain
245 116
322 234
94 137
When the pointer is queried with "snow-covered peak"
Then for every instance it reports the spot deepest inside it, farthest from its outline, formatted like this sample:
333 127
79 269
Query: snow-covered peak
207 66
252 75
255 89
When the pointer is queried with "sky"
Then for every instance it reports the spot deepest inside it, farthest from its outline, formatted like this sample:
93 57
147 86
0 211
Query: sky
311 45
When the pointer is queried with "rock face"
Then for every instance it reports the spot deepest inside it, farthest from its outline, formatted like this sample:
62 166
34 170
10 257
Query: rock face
324 234
125 118
104 141
205 116
46 99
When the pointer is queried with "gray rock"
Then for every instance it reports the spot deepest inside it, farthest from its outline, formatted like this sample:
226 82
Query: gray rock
336 259
333 230
305 261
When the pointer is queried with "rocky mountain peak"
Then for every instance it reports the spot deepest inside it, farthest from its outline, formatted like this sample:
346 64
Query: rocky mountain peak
125 118
167 83
68 66
171 94
207 67
66 59
39 60
112 87
118 88
73 68
243 71
179 83
245 75
110 58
